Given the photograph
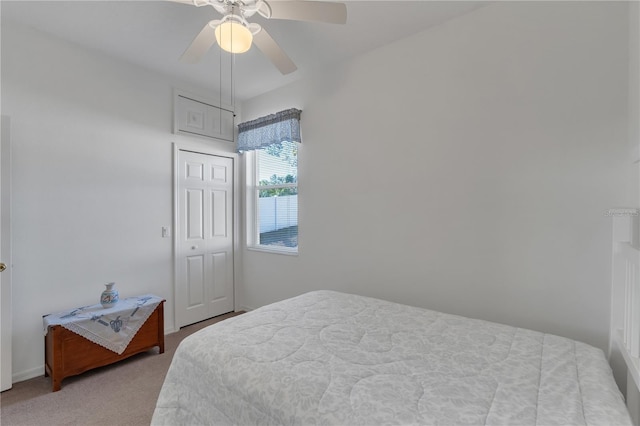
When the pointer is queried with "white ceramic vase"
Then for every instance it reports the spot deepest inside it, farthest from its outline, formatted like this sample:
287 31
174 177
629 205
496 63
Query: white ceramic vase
109 297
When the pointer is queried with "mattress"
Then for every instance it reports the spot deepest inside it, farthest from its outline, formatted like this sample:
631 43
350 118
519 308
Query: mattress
328 358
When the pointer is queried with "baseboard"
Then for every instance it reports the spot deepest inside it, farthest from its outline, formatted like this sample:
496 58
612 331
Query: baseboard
28 374
244 309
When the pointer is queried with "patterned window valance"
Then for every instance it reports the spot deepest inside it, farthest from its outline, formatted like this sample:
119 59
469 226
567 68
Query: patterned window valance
264 131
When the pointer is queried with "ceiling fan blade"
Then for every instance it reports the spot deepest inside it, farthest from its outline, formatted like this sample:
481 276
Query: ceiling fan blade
200 45
271 50
314 11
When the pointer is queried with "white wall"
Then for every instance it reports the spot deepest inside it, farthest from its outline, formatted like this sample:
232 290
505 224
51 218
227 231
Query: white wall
634 108
92 181
632 390
472 162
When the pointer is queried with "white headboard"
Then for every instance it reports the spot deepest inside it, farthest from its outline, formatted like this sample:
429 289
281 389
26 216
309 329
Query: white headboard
624 343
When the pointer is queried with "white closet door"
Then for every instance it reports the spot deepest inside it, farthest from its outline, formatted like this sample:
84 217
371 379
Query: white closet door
204 286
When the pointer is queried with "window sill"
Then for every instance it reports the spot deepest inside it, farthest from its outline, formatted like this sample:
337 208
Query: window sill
274 250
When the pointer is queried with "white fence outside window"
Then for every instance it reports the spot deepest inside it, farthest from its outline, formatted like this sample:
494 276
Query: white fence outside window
277 212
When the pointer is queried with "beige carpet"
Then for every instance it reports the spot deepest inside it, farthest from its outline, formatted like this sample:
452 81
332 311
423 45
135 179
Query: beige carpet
124 393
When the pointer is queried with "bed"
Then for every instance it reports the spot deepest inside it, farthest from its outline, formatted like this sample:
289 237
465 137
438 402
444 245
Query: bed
331 358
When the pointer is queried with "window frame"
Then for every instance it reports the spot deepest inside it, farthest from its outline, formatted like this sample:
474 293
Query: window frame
252 215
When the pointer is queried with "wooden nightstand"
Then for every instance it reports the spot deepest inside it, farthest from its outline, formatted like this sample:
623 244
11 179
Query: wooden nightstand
68 354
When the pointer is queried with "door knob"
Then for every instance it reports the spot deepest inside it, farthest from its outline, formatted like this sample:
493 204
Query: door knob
194 247
2 267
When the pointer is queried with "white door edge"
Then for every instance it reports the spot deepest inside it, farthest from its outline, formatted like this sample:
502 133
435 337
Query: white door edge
6 326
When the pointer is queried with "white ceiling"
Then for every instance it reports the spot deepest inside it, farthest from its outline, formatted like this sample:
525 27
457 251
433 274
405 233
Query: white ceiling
154 34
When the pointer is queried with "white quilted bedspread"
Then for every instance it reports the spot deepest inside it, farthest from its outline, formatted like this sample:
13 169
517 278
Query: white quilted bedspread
337 359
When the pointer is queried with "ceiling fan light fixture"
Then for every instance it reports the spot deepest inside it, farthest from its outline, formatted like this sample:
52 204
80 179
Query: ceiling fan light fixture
233 37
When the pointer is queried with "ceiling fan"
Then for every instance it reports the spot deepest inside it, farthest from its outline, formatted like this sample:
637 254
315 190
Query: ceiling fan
235 34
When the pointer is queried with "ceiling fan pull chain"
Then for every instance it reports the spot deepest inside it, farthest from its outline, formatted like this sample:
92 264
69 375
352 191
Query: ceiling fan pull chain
220 80
232 88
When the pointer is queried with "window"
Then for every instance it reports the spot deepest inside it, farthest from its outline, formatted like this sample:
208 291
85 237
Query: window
276 196
271 145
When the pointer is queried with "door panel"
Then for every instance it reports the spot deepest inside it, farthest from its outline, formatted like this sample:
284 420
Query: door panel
222 297
204 279
195 214
219 261
195 171
219 174
195 281
219 225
